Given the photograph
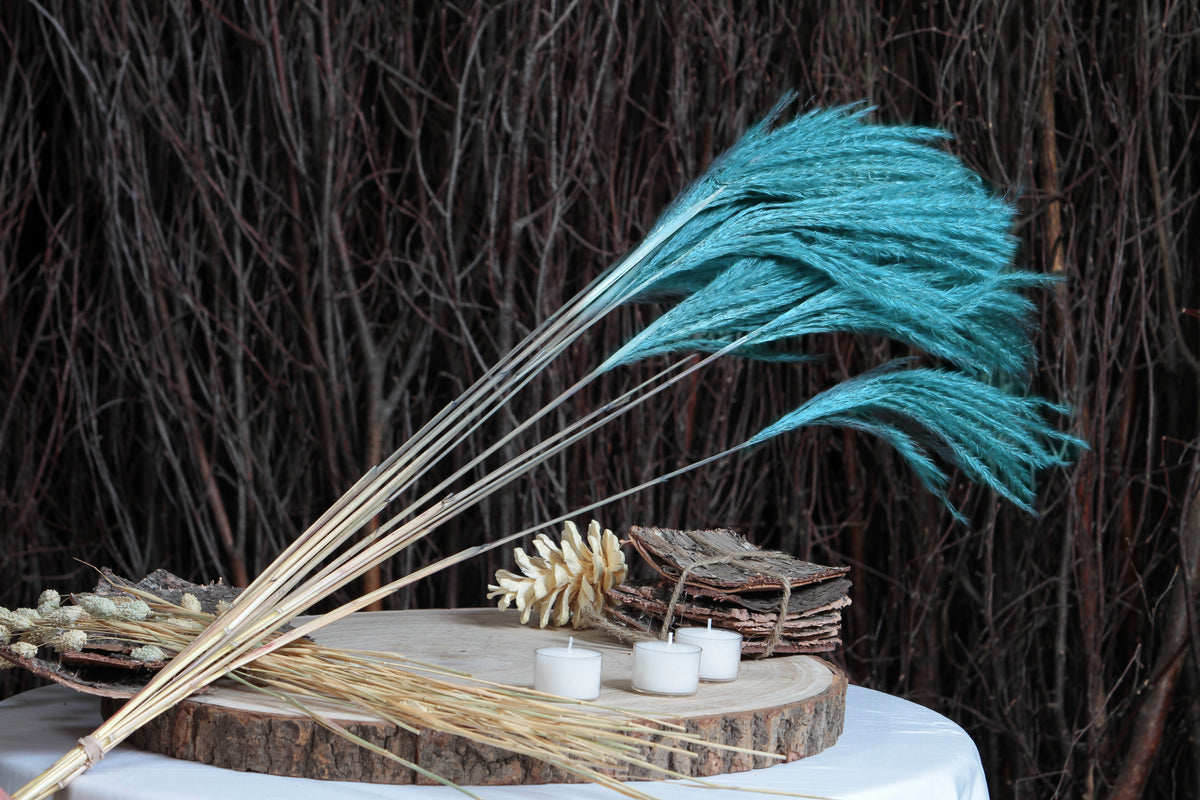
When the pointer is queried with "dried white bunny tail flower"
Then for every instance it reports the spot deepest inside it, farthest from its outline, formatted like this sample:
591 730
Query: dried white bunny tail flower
190 603
223 606
133 610
5 634
97 606
48 601
147 652
63 616
24 618
39 635
69 641
182 623
23 649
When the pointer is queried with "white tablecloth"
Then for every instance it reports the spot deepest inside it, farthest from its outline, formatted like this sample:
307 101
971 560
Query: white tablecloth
890 749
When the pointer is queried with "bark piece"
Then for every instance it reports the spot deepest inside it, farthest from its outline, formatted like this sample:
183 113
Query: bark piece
104 676
656 595
753 643
735 585
722 560
170 587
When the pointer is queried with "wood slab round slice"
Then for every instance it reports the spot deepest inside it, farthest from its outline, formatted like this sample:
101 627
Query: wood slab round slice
790 705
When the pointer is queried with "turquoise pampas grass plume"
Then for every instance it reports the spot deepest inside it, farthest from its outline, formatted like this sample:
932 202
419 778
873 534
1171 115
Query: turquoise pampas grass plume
828 224
930 415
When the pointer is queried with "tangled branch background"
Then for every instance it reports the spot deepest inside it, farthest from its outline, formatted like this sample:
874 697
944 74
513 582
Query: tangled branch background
246 248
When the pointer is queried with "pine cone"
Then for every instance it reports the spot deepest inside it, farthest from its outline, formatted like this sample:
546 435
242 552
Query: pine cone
562 581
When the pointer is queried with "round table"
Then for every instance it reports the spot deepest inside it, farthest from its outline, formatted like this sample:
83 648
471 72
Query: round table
890 749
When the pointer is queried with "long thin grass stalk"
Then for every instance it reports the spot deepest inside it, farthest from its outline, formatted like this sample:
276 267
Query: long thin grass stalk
240 635
239 639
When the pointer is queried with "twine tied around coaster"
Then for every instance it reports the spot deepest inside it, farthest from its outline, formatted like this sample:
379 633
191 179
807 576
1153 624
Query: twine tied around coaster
590 619
92 749
745 561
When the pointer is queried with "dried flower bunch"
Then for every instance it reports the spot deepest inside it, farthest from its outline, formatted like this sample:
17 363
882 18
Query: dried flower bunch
70 628
565 733
563 582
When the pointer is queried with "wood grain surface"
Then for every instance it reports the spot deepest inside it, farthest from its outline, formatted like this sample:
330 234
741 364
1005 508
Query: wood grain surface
790 705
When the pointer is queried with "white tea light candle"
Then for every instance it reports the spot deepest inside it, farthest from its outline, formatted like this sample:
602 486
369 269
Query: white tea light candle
667 668
721 651
568 671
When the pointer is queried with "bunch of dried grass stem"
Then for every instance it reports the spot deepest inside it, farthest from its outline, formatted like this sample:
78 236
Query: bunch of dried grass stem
593 743
331 555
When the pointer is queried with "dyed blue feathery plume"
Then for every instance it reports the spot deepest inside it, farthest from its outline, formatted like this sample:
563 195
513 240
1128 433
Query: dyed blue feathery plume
998 439
826 224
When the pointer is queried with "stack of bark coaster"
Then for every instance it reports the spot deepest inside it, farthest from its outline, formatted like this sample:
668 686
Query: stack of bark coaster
738 586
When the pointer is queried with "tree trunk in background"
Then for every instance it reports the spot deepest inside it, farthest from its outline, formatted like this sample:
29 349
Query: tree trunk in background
1178 643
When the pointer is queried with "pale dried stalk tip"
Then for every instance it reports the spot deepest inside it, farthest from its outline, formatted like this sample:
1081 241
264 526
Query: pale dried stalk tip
223 606
48 601
39 635
97 606
24 619
147 652
133 610
23 649
64 616
69 641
